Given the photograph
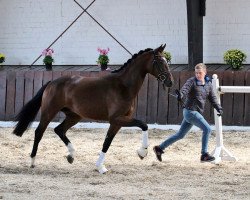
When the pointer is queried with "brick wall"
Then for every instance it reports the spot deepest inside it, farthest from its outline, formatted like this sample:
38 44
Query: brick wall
29 26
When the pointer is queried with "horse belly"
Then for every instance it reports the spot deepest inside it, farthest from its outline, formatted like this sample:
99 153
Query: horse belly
92 110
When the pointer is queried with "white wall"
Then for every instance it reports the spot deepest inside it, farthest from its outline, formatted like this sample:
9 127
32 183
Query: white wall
29 26
226 26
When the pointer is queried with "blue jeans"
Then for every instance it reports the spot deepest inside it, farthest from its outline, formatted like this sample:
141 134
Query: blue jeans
190 118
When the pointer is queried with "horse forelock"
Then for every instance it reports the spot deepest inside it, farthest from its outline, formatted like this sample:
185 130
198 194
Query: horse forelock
131 59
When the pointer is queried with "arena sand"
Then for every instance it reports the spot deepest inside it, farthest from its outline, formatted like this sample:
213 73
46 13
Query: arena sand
179 176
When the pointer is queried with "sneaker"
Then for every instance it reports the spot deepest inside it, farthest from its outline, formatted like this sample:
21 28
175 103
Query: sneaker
207 158
158 152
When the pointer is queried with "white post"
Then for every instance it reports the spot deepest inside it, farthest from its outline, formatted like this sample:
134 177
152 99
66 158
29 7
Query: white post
219 149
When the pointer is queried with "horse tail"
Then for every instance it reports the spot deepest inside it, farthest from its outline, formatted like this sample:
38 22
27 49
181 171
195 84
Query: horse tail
29 112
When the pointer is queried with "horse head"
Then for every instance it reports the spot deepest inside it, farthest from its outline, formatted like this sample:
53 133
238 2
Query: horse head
160 68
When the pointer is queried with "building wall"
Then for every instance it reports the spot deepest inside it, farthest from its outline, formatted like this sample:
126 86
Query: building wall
29 26
226 26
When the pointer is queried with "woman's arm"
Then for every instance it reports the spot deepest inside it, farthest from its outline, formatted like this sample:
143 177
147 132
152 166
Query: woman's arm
213 99
187 87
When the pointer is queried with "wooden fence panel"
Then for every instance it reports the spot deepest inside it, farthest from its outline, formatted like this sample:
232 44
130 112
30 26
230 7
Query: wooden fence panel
152 99
227 99
153 104
85 73
66 73
29 84
247 101
238 108
75 73
47 76
56 75
173 108
10 96
38 82
2 94
162 113
20 90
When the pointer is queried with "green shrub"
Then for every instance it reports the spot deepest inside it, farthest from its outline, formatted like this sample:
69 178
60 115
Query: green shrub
235 58
167 55
103 59
2 58
48 60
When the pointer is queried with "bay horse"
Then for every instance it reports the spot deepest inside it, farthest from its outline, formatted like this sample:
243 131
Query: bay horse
109 98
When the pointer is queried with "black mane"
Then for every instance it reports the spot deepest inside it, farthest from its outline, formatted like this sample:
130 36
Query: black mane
129 60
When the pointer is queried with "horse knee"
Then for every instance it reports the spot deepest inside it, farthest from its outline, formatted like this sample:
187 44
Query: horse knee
59 130
142 125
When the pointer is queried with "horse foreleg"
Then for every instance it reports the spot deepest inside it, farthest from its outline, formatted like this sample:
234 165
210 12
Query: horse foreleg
107 142
130 122
143 150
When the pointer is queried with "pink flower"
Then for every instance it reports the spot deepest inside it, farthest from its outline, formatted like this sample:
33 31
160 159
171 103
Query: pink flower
47 52
103 51
44 52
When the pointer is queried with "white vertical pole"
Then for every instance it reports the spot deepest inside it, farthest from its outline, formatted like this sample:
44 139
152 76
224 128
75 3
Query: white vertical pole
219 149
217 121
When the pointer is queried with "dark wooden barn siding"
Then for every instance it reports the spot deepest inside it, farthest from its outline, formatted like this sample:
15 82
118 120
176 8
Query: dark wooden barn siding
154 105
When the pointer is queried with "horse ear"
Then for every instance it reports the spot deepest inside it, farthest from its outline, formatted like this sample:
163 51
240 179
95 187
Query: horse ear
161 48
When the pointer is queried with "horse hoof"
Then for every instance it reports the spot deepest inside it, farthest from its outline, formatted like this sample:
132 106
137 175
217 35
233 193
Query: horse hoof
102 169
142 152
140 156
70 159
32 166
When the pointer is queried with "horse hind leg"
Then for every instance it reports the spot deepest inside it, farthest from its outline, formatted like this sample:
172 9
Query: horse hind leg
70 120
46 116
38 136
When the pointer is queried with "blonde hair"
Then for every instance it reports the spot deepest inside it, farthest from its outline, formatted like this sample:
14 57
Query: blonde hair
201 66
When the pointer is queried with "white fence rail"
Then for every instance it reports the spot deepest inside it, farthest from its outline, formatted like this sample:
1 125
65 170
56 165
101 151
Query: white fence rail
220 152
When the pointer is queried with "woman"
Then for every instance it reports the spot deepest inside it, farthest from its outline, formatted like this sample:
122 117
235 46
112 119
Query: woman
193 96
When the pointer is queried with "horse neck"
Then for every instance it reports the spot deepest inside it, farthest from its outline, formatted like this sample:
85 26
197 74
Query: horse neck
134 75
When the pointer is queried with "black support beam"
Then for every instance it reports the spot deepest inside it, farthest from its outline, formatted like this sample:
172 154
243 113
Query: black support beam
195 12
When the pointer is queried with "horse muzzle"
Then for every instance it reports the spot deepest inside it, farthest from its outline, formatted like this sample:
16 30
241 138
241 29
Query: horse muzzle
165 79
168 83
